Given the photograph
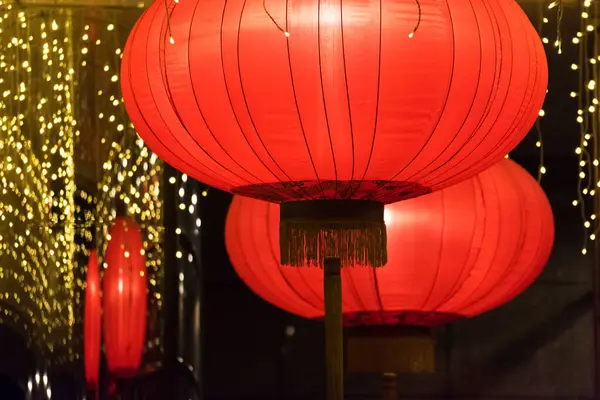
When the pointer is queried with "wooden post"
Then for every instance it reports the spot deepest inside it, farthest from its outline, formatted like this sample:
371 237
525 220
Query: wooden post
334 346
390 386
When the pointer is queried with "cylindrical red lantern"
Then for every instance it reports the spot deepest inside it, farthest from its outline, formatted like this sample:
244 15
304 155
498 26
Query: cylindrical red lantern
92 323
346 105
454 253
124 298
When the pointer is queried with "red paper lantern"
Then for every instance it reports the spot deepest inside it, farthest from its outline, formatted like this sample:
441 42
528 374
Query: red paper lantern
346 106
454 253
124 298
353 102
92 322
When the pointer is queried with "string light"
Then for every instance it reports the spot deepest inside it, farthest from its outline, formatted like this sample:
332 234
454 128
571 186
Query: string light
419 14
542 113
587 101
559 15
168 12
284 31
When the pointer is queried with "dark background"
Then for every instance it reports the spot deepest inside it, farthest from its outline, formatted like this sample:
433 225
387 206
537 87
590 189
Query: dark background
539 346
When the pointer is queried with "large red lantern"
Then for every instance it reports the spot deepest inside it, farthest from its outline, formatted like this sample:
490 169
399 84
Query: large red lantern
124 298
92 322
452 254
345 105
333 107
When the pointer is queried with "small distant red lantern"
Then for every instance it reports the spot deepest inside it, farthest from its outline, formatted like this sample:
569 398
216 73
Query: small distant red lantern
124 298
452 254
92 323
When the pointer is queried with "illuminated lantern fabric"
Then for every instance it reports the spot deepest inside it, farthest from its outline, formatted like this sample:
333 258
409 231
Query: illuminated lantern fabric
124 298
321 100
92 322
452 254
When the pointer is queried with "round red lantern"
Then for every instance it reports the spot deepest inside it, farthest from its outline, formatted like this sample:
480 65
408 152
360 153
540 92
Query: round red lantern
333 108
124 298
452 254
92 322
346 100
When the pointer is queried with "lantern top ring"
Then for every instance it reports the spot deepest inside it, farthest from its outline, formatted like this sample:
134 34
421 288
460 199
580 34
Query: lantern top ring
332 210
352 231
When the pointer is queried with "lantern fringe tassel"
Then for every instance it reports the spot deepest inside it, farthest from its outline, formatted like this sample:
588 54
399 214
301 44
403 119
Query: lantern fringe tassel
310 242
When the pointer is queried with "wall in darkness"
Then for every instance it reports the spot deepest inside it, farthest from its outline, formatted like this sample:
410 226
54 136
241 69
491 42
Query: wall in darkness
16 360
537 347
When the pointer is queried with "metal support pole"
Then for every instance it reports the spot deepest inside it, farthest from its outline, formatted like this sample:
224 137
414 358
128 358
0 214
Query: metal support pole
390 386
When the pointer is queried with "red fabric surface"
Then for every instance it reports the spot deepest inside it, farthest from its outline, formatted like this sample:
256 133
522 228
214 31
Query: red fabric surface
124 298
346 106
92 321
454 253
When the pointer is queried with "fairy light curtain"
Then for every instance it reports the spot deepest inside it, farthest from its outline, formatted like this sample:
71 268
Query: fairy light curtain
59 97
587 43
37 214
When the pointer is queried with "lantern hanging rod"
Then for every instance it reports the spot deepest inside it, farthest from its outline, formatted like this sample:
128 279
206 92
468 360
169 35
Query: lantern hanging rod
78 4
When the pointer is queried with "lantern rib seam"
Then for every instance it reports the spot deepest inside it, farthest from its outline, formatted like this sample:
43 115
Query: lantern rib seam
494 256
545 231
184 126
193 87
522 237
348 194
440 253
235 115
499 113
441 114
323 94
151 130
314 167
467 115
477 185
376 121
457 309
239 68
517 119
526 102
497 78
